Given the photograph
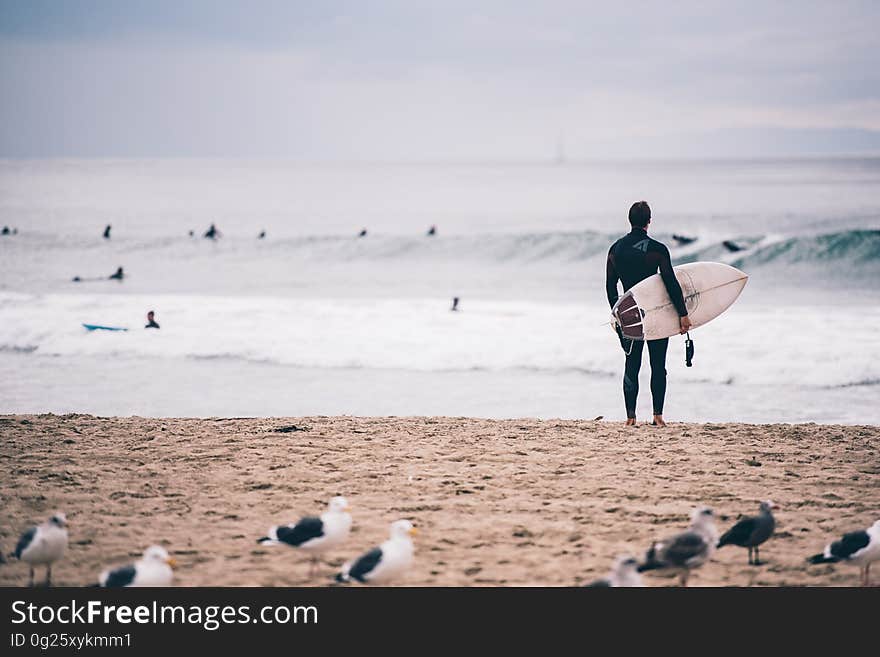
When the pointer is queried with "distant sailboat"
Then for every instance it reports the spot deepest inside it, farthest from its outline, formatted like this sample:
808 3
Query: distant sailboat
560 150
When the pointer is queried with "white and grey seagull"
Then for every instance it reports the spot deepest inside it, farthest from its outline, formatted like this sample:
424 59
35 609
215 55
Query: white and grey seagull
153 569
625 572
314 534
685 551
385 562
860 547
43 545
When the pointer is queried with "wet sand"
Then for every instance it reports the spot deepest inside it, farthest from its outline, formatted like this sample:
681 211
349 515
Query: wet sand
511 502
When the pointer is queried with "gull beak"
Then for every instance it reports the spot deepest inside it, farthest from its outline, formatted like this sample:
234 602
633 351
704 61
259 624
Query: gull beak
413 531
171 561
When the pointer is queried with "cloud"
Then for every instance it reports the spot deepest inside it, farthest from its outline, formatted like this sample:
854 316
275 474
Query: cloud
422 80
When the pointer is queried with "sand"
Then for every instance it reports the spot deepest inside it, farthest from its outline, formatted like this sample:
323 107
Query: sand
512 502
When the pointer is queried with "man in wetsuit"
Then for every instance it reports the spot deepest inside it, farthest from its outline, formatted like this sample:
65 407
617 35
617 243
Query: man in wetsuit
151 320
633 258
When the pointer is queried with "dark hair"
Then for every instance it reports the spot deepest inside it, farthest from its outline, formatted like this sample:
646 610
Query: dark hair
639 215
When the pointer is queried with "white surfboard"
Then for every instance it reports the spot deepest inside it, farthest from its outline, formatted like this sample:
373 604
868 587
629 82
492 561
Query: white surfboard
646 312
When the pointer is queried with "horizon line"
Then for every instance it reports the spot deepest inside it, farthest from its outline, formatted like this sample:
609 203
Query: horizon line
545 161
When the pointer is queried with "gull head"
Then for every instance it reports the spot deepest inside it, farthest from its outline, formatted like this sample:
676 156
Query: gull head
402 528
339 504
58 519
158 554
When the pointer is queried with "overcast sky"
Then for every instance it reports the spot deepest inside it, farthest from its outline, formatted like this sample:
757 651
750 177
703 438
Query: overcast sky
420 80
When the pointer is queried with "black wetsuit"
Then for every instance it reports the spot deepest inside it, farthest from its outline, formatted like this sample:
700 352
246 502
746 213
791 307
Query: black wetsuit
152 324
631 259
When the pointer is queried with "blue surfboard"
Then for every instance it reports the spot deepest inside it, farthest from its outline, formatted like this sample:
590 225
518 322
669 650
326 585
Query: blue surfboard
95 327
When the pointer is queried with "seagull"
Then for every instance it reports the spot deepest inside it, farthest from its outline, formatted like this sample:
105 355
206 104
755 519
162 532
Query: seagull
687 550
153 569
623 573
314 534
43 545
752 531
383 563
861 548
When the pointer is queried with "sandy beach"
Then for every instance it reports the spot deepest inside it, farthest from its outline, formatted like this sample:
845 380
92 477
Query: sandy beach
512 502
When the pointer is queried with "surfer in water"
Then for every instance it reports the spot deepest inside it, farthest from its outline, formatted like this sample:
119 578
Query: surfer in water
151 321
107 232
631 259
118 276
212 233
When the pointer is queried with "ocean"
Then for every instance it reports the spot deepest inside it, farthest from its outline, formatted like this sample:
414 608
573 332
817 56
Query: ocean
314 320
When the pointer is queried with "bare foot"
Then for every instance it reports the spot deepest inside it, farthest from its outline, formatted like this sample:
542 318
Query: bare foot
658 421
630 422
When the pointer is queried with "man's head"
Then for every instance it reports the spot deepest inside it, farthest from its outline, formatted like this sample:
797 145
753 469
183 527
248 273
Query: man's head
640 215
150 315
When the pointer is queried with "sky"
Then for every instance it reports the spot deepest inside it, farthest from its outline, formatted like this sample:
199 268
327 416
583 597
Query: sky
413 80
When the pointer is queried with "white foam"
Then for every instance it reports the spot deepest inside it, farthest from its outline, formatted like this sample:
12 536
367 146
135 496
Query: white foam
750 344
